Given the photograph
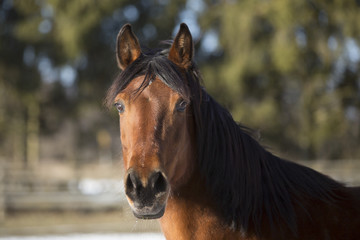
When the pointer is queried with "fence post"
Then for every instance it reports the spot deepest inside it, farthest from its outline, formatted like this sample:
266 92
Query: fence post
2 193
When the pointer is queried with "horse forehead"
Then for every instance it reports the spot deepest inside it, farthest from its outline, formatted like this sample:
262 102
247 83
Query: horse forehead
159 91
156 92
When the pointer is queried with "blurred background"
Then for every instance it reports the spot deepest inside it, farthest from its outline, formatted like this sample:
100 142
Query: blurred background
288 69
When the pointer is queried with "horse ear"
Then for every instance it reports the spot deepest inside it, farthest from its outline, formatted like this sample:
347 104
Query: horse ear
127 47
181 51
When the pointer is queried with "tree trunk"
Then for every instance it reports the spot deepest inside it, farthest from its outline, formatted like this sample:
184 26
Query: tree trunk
32 133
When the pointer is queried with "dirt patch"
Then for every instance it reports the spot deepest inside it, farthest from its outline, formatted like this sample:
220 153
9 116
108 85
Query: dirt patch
35 223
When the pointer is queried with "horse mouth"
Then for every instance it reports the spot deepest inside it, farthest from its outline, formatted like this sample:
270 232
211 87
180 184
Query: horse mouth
146 215
147 199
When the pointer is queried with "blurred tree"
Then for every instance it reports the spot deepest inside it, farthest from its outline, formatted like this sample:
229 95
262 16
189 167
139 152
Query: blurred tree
291 69
19 86
57 61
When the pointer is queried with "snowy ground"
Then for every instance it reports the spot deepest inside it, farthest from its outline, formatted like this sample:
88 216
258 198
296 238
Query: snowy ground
125 236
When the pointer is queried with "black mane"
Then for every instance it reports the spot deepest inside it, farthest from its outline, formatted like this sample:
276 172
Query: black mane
250 185
248 182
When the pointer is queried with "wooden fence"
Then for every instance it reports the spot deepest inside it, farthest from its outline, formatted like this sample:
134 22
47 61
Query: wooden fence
22 191
26 191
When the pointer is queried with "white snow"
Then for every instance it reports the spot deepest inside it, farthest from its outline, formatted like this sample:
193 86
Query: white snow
99 236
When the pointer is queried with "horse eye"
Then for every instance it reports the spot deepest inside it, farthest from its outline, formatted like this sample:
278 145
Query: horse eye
120 107
181 105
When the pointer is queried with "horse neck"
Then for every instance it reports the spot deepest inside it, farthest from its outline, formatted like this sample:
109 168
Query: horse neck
191 212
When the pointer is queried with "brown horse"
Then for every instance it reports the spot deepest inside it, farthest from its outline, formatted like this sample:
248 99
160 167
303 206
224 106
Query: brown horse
190 165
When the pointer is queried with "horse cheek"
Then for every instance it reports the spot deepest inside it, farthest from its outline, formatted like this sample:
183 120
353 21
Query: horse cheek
179 155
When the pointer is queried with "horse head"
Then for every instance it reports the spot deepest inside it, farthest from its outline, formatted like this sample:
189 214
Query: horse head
156 121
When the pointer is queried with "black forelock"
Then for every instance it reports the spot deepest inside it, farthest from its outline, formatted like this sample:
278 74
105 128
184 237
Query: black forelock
151 63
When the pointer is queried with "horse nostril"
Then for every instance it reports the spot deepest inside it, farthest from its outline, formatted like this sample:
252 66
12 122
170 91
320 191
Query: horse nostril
158 182
132 182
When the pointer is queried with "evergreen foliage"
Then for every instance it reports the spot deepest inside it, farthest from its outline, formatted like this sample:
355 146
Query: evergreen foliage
289 69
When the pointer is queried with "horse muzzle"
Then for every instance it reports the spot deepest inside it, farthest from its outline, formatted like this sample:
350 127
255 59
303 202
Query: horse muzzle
147 196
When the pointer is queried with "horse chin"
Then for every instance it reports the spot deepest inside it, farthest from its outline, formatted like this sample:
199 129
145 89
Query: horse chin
149 215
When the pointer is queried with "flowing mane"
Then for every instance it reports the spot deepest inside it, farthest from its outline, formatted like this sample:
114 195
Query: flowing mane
250 185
